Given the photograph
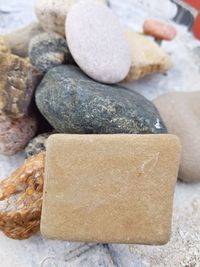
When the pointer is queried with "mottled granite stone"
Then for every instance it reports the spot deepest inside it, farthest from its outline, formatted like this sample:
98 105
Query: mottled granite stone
36 145
73 103
48 50
16 133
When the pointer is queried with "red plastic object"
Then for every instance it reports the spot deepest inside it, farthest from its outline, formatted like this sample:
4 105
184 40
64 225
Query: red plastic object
196 26
193 3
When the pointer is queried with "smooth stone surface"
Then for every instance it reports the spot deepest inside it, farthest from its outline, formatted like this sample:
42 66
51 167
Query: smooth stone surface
97 42
181 113
18 41
52 14
36 145
18 80
95 184
73 103
48 50
146 57
15 134
159 30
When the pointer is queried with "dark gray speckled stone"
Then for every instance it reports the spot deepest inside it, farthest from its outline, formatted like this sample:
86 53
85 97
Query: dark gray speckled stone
73 103
48 50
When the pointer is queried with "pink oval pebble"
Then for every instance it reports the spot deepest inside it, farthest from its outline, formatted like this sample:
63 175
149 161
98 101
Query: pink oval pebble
159 30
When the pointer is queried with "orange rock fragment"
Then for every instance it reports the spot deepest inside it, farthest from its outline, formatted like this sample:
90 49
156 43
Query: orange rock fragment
159 30
21 199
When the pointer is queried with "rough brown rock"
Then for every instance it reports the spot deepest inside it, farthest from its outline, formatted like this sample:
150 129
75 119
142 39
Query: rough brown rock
110 188
3 46
18 80
21 199
147 57
181 114
18 41
16 133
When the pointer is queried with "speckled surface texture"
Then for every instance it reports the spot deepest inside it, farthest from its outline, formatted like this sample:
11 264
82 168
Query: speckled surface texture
184 248
73 103
48 50
36 145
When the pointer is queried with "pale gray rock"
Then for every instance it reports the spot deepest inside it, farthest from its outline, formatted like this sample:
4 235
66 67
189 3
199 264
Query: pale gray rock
16 133
52 14
181 113
97 42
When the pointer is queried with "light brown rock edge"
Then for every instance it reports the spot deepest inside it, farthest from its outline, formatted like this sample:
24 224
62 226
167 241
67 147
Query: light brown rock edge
146 56
110 188
18 41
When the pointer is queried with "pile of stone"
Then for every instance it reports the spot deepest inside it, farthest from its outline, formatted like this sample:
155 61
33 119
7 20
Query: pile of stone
63 75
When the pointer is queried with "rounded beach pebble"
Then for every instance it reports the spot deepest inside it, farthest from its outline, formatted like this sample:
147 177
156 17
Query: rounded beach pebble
97 42
181 113
52 14
73 103
48 50
159 30
15 134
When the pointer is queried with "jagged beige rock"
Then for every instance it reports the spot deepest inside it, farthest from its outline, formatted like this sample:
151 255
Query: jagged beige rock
147 56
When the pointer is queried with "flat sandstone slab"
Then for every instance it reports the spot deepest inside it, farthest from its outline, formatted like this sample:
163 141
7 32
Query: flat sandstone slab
110 188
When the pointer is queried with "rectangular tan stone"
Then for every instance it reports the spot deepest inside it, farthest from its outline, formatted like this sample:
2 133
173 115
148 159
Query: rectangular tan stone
110 188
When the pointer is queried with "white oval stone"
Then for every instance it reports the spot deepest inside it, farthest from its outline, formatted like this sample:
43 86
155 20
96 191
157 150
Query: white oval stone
52 14
97 42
